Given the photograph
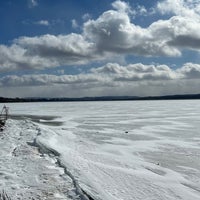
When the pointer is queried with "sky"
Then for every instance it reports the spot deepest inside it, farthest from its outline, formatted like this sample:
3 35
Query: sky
79 48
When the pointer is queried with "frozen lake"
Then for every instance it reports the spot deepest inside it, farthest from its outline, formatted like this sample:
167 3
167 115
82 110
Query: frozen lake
124 149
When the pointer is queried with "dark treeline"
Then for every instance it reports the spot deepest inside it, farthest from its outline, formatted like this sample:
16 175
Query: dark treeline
103 98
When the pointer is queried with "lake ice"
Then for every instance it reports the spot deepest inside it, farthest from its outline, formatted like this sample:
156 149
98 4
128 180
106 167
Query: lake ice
123 149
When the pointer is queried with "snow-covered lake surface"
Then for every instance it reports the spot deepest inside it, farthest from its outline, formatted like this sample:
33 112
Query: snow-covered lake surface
123 150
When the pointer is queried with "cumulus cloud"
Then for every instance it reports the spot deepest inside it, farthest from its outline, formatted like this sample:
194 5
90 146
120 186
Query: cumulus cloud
14 58
110 74
111 79
185 8
122 7
112 33
190 71
184 23
137 72
45 51
178 32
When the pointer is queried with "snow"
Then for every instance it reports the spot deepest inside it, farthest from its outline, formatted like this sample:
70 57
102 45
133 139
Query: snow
110 150
25 173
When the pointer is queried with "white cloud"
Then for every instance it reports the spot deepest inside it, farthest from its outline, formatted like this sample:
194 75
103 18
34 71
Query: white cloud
185 8
32 3
137 72
74 24
86 16
14 58
114 32
45 79
122 6
43 22
177 32
111 34
110 79
141 10
190 71
45 51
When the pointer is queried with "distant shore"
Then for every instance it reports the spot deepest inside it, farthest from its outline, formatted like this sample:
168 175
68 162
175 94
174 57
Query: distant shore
102 98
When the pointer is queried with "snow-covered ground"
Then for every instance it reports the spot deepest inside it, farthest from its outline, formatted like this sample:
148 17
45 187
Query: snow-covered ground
148 150
27 173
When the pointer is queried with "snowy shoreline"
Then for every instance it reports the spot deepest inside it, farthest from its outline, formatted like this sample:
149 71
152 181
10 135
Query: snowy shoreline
28 173
120 150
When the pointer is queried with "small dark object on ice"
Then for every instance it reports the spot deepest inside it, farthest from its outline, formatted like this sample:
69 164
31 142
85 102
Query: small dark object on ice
4 196
3 118
158 163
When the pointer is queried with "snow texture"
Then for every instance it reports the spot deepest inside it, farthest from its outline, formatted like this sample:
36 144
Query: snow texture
102 150
25 172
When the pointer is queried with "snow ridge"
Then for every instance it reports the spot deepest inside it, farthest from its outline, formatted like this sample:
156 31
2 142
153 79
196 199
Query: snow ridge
51 152
25 173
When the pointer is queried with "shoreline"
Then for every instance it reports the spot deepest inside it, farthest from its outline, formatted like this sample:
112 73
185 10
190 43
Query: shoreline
99 98
26 172
112 150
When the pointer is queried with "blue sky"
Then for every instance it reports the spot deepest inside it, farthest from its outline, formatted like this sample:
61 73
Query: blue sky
78 48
